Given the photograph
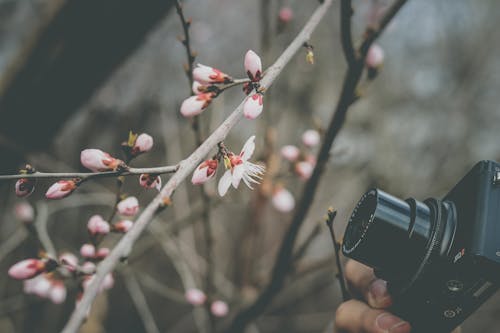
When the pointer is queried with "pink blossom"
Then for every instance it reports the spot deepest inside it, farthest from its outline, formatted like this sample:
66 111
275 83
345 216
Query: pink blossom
25 186
208 75
239 168
311 138
195 296
290 152
24 212
194 105
283 200
128 206
57 293
375 56
253 66
69 260
97 225
108 282
102 253
26 269
253 106
219 308
123 226
285 14
143 144
147 180
204 172
87 251
304 169
97 160
61 189
88 267
39 285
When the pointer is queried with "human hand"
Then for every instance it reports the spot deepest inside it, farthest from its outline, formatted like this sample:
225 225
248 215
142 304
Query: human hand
366 313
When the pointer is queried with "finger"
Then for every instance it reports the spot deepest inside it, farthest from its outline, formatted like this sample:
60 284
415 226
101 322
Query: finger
363 282
357 317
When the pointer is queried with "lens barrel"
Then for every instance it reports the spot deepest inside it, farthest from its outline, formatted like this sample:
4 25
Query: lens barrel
387 233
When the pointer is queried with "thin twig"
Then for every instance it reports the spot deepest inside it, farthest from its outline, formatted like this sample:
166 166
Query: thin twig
124 246
42 216
140 303
336 248
89 175
283 260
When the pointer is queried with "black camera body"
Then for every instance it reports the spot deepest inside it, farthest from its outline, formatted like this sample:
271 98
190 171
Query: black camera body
441 258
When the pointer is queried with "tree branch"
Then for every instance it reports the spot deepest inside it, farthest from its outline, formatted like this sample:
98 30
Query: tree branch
345 31
124 246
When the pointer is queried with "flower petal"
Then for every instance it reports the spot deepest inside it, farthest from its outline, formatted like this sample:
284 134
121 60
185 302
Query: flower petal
224 183
238 172
248 148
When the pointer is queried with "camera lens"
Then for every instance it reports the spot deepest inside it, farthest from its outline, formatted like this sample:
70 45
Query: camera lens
387 233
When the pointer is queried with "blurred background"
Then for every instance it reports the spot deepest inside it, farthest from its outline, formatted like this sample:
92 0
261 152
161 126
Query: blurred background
80 74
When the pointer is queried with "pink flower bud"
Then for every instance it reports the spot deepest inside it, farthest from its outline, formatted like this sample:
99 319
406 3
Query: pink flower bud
97 160
143 144
304 169
24 212
219 308
26 269
253 66
194 105
311 138
108 282
102 253
128 206
69 260
195 296
208 75
375 56
147 180
290 153
39 285
283 200
285 14
123 226
61 189
25 186
57 293
253 106
198 87
87 251
88 267
204 172
97 225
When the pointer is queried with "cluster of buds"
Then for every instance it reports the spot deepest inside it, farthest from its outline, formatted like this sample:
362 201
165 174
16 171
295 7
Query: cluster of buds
196 297
303 161
46 286
238 168
88 251
209 83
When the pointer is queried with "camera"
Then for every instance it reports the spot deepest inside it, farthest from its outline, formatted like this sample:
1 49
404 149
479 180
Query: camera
441 258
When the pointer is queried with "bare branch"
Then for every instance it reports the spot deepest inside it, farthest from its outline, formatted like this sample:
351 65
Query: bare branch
345 31
124 246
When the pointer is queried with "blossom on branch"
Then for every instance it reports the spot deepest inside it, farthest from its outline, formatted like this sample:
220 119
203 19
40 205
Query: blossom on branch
253 66
194 105
219 308
25 186
123 226
253 106
27 269
147 180
283 200
204 172
87 251
290 152
195 296
311 138
143 144
24 212
209 75
61 189
128 206
98 226
374 57
98 161
239 168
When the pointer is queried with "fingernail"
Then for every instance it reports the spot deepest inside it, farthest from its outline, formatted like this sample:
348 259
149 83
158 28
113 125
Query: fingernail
392 324
379 294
